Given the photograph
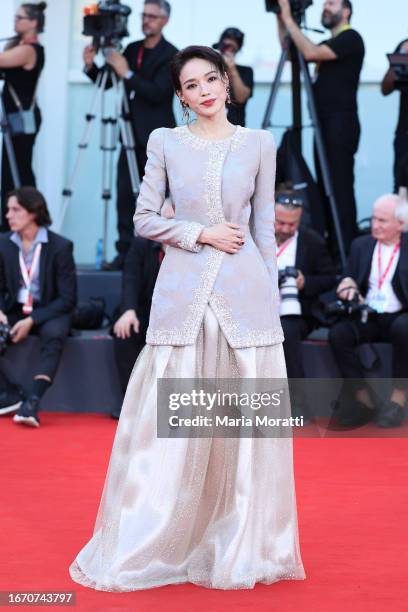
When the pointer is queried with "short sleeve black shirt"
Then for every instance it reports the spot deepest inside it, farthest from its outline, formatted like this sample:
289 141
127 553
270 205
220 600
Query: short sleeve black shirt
236 112
402 125
336 85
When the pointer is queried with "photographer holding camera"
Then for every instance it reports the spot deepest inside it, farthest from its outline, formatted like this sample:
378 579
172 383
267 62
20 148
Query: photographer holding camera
145 68
37 295
339 61
241 78
21 65
377 274
305 272
389 84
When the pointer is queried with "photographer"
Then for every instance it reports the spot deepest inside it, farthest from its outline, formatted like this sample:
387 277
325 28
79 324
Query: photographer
339 61
377 275
303 251
389 84
145 68
241 78
20 66
37 295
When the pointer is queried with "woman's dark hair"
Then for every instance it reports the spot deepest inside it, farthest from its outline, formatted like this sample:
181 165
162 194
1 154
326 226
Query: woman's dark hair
36 11
34 202
196 52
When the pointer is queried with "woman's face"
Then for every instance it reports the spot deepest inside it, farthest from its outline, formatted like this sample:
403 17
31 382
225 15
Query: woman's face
22 23
202 87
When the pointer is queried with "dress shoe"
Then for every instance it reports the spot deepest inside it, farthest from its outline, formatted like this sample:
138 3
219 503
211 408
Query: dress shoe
10 400
115 414
355 414
28 413
116 264
390 414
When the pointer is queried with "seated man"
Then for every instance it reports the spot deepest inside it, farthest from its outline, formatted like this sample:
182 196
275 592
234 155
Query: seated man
37 295
305 272
377 274
140 271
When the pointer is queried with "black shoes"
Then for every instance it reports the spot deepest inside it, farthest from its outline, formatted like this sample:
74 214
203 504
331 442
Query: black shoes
390 415
10 400
28 412
354 414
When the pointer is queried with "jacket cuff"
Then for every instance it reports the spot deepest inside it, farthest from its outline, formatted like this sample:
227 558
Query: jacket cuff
189 239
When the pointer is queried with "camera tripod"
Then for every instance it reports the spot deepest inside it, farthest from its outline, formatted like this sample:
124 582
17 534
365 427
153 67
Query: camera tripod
299 67
111 127
8 146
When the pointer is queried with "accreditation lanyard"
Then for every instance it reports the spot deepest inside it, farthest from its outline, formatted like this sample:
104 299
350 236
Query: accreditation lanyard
28 274
140 55
382 275
284 246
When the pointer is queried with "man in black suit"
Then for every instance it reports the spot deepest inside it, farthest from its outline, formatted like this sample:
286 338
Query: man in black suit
304 249
138 280
37 295
145 69
377 274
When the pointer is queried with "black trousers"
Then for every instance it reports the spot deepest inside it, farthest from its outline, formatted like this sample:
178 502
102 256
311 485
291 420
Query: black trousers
125 203
53 334
127 350
23 146
400 159
341 135
345 336
295 329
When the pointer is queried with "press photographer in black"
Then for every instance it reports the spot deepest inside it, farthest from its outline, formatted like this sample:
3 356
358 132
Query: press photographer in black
305 272
338 65
390 84
241 78
145 68
376 277
21 64
37 295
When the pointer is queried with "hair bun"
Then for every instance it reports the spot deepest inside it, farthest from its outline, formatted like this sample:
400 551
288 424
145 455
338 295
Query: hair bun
42 6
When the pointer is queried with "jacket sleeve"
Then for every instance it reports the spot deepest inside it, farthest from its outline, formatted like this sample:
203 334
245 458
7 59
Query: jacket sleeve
148 221
65 281
153 90
3 284
322 276
262 220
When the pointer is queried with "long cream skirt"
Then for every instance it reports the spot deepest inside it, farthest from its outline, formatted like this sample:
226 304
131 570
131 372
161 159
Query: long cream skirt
216 512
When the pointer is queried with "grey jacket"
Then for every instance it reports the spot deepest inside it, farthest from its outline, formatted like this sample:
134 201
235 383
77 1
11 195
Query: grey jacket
212 182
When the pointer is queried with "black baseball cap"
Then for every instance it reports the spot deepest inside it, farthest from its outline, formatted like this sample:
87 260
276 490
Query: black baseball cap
233 33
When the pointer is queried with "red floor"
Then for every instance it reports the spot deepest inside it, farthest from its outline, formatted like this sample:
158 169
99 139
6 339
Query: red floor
353 520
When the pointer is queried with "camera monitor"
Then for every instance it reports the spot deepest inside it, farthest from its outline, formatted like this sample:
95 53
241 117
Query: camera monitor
399 65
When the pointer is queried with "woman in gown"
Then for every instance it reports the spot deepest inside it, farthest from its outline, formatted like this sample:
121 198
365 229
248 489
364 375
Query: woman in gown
216 512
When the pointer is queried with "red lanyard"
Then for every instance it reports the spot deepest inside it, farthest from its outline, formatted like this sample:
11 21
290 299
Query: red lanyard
284 246
140 55
382 276
27 273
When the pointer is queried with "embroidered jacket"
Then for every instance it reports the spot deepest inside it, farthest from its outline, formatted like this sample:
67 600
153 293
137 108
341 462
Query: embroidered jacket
212 182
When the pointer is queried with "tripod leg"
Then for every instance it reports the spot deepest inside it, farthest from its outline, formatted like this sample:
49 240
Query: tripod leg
100 86
328 187
129 143
266 123
8 143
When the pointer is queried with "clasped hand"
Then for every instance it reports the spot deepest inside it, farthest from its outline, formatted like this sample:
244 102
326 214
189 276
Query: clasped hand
227 237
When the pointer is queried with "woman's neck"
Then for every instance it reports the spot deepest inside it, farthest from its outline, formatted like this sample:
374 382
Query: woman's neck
28 37
213 128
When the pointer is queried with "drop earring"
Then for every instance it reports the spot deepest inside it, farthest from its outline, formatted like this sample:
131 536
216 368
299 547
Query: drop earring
228 95
186 113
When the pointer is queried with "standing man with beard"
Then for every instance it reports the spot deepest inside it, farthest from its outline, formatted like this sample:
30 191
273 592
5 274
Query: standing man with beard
339 61
145 68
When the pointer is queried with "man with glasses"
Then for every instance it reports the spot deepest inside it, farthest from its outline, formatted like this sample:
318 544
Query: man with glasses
304 250
145 68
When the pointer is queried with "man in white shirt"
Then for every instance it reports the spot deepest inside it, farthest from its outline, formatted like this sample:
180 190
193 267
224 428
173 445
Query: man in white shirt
377 271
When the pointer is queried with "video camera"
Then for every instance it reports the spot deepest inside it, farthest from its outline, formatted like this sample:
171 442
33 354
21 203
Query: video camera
106 22
297 7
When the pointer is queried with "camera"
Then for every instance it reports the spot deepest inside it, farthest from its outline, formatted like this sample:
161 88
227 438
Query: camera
289 293
5 336
298 7
348 308
399 66
107 23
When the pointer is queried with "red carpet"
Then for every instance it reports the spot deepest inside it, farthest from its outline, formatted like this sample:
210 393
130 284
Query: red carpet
353 518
